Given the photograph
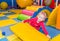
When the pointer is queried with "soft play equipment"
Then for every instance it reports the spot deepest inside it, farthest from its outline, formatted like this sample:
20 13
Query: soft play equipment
50 3
52 20
56 38
33 8
24 3
46 9
17 11
23 17
58 19
27 32
13 16
27 12
7 22
4 5
13 38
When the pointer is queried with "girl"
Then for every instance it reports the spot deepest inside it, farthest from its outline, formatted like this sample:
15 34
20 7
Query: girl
37 20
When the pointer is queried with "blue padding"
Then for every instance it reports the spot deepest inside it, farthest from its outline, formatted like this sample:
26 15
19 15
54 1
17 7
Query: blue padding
40 9
3 39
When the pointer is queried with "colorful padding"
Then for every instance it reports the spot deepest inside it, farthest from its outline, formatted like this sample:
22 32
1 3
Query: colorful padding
13 16
58 19
1 36
27 12
53 17
33 8
17 11
7 22
56 38
13 38
23 17
28 33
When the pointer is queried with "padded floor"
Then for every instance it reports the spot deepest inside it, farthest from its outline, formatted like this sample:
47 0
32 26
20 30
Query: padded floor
6 28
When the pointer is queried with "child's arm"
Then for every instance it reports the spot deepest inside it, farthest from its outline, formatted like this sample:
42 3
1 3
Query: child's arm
26 21
43 28
30 20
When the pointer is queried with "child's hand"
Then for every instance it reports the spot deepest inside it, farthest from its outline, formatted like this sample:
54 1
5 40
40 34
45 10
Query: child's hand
48 36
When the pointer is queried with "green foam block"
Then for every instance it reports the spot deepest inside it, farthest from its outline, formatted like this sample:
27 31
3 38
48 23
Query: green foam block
23 17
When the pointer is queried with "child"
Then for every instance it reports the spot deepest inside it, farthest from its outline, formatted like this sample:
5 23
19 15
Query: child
37 21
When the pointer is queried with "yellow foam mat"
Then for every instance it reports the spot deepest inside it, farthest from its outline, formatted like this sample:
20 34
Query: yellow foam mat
33 8
53 17
1 36
1 14
56 38
13 16
16 10
6 22
13 38
27 32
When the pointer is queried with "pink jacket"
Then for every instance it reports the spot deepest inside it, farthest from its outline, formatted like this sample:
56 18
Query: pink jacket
36 25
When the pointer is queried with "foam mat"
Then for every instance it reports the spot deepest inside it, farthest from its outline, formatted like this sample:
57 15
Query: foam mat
28 33
7 22
58 20
1 15
56 38
52 18
14 38
13 16
1 36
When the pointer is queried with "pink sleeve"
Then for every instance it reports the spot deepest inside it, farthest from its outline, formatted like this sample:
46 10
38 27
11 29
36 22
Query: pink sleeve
26 20
43 28
30 20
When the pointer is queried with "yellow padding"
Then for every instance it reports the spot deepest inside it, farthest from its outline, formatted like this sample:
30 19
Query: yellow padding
6 22
56 38
1 14
1 36
53 17
16 10
13 16
28 33
33 8
13 38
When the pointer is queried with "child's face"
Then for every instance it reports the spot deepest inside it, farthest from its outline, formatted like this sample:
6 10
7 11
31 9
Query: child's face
41 16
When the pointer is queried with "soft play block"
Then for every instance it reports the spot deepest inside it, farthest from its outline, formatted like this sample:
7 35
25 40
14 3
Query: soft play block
23 17
56 38
52 18
27 32
58 20
33 8
1 14
13 38
27 12
13 16
16 10
7 22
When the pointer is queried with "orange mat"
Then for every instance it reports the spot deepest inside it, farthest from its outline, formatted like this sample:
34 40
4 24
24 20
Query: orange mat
58 19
